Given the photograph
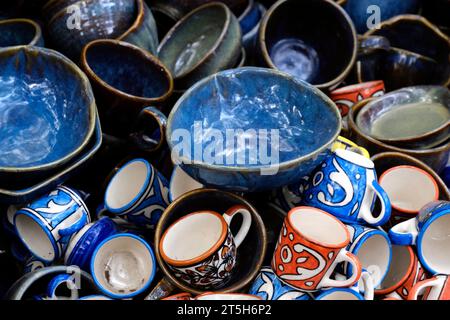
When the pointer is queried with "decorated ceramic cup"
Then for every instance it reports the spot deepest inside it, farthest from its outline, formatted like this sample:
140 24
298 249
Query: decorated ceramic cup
364 286
436 288
200 248
311 245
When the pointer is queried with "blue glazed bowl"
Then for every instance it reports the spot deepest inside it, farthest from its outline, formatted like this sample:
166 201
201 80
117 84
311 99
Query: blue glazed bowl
47 111
16 32
260 100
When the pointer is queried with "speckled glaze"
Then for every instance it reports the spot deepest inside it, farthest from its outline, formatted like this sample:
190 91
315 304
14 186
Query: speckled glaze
436 157
16 32
126 20
121 100
314 104
221 49
66 109
324 29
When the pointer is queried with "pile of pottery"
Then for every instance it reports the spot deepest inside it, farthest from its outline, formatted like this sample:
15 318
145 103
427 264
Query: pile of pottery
230 150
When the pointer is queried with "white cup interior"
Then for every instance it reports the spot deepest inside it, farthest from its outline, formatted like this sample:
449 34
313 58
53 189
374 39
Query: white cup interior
409 188
123 265
35 238
192 236
181 183
340 295
435 245
355 158
224 296
126 185
399 268
318 226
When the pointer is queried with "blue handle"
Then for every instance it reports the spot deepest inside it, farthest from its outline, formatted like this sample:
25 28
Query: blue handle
401 239
56 282
74 227
149 141
385 203
404 233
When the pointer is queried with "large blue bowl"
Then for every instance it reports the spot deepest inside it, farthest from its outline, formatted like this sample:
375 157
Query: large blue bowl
251 99
47 111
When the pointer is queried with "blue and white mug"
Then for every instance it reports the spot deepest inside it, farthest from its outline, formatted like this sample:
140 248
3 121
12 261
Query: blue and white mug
46 225
137 193
269 287
346 186
430 232
62 283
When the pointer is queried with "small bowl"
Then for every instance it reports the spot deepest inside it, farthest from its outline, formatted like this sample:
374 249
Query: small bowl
214 32
257 87
62 118
17 32
313 40
436 157
417 136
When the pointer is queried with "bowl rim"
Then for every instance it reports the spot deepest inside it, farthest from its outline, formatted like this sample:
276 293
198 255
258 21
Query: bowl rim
37 28
283 165
266 56
91 107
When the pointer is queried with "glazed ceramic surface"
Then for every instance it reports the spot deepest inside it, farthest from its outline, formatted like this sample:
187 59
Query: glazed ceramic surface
339 294
436 288
62 282
16 32
181 183
246 96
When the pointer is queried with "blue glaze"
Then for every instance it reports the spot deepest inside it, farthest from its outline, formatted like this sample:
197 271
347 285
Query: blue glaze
18 32
59 281
272 100
250 18
47 109
324 293
269 287
249 39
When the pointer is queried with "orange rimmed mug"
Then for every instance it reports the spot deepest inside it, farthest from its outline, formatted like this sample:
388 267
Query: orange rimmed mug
200 248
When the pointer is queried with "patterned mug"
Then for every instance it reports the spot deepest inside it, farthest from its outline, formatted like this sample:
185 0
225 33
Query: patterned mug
436 288
311 246
346 186
200 248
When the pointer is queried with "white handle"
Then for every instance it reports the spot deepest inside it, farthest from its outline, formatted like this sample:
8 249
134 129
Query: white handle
246 222
420 287
367 282
344 256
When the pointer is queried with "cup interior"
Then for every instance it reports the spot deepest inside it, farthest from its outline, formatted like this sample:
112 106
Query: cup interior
401 266
182 183
319 227
123 266
193 237
409 188
435 245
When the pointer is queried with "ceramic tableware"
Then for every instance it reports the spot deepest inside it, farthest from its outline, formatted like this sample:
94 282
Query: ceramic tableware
290 144
46 225
364 286
60 284
339 294
16 32
346 186
436 288
181 183
226 296
201 249
250 39
428 231
346 144
314 41
311 245
123 266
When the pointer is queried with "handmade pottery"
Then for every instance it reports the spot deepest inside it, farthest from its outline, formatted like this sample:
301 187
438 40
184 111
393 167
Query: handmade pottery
62 282
314 41
123 266
250 39
181 183
311 245
346 144
201 111
436 288
339 294
203 42
364 286
17 32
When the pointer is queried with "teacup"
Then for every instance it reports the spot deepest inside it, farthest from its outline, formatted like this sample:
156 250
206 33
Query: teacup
46 225
311 246
226 296
181 183
373 249
138 193
200 248
429 231
436 288
346 186
123 266
269 287
405 271
339 294
364 286
60 283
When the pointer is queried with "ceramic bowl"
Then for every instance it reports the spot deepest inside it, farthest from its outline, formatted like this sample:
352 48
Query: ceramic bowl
203 42
432 129
204 105
313 40
436 157
48 111
249 39
250 253
16 32
130 21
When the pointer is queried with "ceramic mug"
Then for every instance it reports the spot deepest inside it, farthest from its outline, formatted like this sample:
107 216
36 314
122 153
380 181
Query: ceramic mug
346 186
404 273
46 225
373 249
311 245
269 287
429 231
339 294
436 288
62 282
200 248
123 266
364 286
138 193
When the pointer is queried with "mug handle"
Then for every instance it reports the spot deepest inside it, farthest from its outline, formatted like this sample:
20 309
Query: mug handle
74 227
146 141
60 280
369 290
404 233
246 223
163 289
421 286
385 213
344 256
